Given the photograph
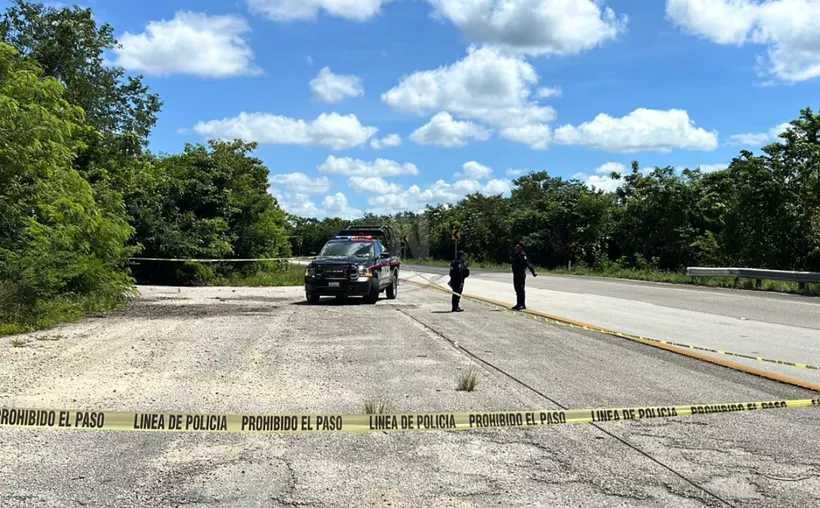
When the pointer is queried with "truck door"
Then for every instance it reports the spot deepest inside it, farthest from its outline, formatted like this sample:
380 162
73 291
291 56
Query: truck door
377 251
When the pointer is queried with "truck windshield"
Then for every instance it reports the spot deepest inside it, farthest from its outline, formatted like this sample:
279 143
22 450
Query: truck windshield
347 249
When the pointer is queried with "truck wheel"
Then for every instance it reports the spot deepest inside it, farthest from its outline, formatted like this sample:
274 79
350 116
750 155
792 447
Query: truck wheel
373 296
312 298
393 288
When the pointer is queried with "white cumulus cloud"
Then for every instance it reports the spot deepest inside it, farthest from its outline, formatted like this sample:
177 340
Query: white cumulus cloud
333 205
357 167
486 86
374 184
414 198
601 182
534 27
472 170
545 92
443 130
336 205
296 204
642 129
190 43
304 10
300 183
787 28
759 138
537 136
749 139
334 88
390 140
332 130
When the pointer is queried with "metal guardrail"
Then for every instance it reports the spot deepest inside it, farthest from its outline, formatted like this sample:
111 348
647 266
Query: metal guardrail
802 278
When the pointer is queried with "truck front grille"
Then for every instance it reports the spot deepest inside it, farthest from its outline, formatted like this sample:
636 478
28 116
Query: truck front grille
339 272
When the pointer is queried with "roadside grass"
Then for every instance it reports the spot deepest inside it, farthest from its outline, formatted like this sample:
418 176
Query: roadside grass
269 276
650 275
15 318
470 263
376 406
467 381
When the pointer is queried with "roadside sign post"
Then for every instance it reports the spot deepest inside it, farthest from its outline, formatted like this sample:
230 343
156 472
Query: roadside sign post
456 235
403 245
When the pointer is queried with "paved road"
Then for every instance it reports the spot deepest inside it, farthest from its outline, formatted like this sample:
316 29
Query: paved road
785 327
768 307
264 350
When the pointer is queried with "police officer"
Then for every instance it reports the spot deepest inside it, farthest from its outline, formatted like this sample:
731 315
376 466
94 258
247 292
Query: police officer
458 272
520 265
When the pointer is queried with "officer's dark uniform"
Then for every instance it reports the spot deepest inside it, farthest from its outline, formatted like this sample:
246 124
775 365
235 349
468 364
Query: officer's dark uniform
458 272
520 265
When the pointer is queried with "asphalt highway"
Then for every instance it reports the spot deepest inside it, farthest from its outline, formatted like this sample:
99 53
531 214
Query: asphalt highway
771 325
264 350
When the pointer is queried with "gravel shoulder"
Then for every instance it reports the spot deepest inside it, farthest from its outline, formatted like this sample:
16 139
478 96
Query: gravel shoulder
263 350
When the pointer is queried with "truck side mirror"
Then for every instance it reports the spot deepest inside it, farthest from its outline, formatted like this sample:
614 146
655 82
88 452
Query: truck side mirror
385 254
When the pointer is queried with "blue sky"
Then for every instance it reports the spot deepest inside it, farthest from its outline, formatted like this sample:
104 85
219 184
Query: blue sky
373 105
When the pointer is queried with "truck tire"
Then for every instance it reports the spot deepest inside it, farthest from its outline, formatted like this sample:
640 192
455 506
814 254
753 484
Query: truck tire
311 298
393 288
373 296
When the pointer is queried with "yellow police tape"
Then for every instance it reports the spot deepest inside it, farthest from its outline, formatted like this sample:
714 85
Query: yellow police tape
212 260
620 334
294 423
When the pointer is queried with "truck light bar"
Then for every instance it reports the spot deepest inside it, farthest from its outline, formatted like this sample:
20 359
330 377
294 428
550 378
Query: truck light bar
354 237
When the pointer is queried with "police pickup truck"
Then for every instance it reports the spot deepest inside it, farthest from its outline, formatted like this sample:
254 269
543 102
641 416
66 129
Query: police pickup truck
354 263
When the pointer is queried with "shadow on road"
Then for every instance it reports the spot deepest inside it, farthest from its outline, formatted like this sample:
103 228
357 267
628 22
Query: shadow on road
329 302
162 310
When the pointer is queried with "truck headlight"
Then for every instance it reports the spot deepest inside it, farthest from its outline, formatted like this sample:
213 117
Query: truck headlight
310 271
364 271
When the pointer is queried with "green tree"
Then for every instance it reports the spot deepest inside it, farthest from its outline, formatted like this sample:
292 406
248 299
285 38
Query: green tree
206 202
69 46
60 253
486 222
795 162
560 221
314 233
655 222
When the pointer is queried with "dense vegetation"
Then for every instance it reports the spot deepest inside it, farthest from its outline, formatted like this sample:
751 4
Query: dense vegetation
80 194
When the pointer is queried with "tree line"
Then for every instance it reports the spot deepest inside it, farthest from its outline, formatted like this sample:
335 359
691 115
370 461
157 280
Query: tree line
763 211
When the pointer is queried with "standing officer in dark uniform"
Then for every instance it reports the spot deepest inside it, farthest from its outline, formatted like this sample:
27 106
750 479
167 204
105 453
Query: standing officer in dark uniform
458 272
520 265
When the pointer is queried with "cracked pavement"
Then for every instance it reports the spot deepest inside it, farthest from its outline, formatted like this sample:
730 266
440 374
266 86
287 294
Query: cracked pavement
262 350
